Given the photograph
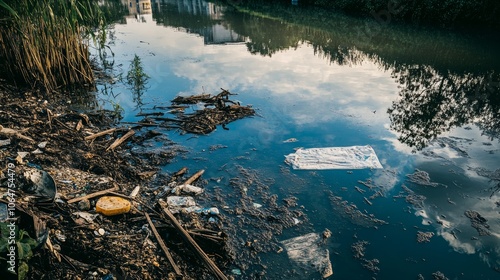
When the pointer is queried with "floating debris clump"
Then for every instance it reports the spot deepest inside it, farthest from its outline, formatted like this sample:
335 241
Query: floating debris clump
353 214
424 237
478 222
218 110
421 178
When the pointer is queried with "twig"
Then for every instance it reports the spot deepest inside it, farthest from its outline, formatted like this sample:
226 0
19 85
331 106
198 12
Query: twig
166 119
12 132
62 124
95 135
213 238
162 245
211 265
194 177
51 249
119 141
92 195
49 117
146 174
205 230
141 123
182 171
121 195
150 114
79 125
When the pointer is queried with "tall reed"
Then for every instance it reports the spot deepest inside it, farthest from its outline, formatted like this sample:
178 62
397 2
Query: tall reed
45 42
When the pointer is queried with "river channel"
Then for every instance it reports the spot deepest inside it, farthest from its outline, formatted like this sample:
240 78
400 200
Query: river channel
426 101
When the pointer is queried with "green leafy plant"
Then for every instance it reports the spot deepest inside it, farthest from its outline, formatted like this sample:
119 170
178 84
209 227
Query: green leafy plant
25 245
137 79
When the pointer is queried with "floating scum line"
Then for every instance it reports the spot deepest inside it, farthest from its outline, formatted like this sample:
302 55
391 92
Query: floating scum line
352 157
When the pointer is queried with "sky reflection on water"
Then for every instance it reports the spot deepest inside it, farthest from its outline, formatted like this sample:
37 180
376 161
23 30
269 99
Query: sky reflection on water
298 93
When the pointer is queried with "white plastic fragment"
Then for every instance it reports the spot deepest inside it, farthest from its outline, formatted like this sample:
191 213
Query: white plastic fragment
135 191
42 145
89 218
186 188
212 211
291 140
180 201
66 181
22 154
4 142
306 252
191 189
236 271
190 209
353 157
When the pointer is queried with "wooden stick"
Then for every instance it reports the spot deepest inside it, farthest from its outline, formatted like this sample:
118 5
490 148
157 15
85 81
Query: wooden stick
141 124
167 119
51 249
211 265
180 172
95 135
79 125
119 141
194 177
162 245
92 195
122 195
147 174
49 117
213 238
150 114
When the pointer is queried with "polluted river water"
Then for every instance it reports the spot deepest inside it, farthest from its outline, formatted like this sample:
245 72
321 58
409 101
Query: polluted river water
426 102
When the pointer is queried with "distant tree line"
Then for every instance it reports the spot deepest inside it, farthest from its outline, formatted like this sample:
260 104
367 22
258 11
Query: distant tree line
461 14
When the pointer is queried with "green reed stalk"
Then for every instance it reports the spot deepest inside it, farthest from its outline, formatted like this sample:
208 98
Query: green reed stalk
45 42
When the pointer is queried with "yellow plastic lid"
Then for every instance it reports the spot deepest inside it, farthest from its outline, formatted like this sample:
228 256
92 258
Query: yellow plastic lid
112 205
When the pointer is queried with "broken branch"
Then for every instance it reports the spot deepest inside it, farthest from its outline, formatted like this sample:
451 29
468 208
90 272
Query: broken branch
92 195
194 177
95 135
162 245
119 141
210 264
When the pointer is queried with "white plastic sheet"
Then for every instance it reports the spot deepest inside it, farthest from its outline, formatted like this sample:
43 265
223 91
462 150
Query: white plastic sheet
306 251
353 157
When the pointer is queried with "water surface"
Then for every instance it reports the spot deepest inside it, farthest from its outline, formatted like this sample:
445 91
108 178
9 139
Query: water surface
426 101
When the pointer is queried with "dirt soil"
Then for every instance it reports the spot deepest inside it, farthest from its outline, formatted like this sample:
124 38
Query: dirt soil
40 133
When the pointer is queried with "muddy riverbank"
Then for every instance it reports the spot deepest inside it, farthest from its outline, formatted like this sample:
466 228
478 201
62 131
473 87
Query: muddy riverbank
74 241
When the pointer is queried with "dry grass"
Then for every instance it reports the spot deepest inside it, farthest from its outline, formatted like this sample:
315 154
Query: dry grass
45 44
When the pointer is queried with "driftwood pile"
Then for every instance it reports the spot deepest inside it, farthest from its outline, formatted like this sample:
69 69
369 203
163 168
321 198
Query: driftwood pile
217 110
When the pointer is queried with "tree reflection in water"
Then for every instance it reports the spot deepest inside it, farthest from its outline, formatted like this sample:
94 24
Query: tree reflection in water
454 84
431 103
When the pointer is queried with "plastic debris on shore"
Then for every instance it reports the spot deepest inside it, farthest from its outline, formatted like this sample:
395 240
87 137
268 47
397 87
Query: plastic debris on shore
305 250
353 157
42 184
112 205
